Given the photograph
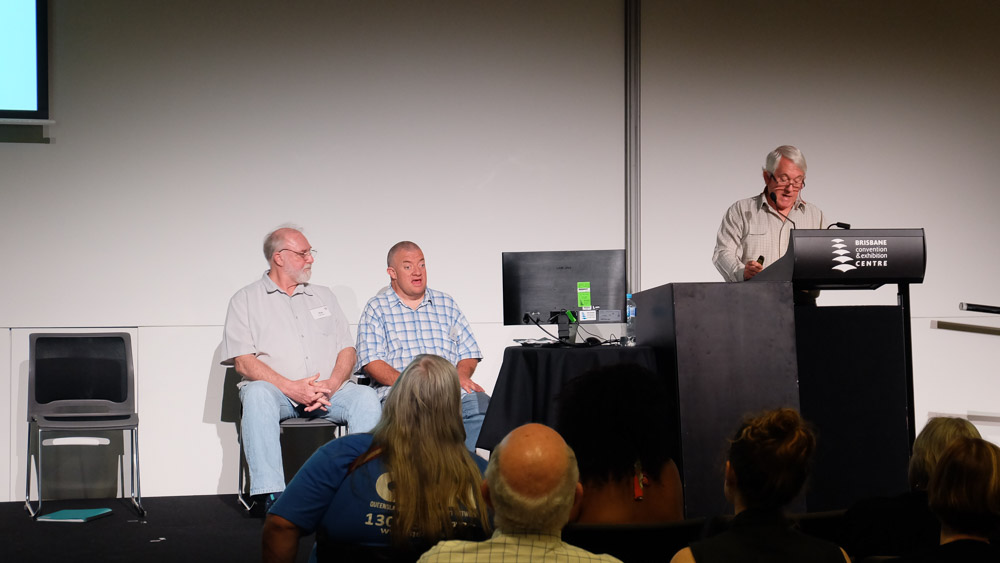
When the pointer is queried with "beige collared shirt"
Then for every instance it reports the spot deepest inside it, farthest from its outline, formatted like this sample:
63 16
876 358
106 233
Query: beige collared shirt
752 228
296 335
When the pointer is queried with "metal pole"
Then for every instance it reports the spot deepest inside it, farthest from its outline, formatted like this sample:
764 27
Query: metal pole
632 139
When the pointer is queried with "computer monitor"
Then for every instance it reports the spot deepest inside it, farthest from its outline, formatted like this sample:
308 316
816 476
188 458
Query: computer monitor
24 70
588 283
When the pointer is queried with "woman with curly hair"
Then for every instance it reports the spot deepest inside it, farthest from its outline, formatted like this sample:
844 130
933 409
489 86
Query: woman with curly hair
767 466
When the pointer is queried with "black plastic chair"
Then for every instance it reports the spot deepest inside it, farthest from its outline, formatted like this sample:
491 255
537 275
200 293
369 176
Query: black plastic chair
81 382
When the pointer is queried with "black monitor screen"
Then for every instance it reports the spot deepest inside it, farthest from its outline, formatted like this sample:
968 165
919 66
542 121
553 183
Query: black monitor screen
590 283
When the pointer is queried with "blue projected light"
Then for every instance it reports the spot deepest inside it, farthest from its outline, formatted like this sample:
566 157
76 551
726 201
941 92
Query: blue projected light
22 64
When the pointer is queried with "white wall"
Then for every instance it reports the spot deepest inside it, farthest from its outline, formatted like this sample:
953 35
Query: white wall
893 103
184 131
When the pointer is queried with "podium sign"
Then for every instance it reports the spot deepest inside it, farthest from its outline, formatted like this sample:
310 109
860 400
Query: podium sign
850 259
878 386
737 348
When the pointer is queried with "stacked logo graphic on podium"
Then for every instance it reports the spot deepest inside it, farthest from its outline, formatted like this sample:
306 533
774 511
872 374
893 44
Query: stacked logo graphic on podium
843 256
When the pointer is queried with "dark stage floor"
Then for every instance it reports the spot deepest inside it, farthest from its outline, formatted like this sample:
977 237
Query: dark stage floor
178 529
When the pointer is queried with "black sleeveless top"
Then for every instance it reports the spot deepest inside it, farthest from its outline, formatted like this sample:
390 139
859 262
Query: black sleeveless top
764 536
959 551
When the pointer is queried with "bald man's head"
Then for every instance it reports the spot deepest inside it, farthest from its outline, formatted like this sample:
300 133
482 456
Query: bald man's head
532 480
534 460
277 238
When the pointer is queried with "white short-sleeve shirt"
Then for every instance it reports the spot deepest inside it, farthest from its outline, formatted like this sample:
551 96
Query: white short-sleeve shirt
296 335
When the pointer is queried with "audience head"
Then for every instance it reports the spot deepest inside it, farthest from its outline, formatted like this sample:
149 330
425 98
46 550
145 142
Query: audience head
424 403
936 435
769 459
604 453
422 443
532 481
964 489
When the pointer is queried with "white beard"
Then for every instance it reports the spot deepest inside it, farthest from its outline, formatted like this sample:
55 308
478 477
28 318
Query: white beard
302 276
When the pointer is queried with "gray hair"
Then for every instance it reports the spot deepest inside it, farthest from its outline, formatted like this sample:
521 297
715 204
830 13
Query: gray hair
785 151
515 512
273 240
399 246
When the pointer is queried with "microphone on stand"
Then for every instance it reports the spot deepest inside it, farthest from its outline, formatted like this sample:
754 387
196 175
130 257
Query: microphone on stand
774 198
979 308
805 296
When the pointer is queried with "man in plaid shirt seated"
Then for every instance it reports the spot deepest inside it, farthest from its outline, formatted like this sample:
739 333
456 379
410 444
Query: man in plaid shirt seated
409 319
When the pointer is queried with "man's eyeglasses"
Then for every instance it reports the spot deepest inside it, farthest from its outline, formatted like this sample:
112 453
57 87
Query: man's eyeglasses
784 181
302 255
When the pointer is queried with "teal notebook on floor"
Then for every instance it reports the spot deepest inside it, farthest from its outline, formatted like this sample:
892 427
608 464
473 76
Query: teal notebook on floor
81 515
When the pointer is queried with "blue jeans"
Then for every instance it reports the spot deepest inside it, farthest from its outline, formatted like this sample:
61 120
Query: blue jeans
473 412
264 407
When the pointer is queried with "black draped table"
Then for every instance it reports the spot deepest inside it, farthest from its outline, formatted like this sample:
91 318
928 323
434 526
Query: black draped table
530 380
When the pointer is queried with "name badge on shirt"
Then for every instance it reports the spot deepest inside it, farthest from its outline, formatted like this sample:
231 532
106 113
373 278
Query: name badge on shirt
320 312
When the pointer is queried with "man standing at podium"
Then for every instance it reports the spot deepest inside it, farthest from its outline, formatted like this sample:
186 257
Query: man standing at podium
754 232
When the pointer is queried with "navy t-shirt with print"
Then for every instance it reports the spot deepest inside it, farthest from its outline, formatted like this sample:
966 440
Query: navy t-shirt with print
346 506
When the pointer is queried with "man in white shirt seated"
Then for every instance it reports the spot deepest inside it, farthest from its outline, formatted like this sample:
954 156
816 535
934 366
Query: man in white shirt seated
290 341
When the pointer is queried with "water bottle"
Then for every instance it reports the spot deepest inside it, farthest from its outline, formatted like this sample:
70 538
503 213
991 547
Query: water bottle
629 320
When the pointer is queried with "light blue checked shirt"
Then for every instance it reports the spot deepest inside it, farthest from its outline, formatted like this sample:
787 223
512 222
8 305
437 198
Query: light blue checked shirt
392 332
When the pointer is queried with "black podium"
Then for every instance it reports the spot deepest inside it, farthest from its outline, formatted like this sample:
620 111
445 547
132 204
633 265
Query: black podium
727 349
738 348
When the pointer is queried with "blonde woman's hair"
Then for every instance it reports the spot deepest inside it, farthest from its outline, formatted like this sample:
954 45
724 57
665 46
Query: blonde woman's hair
935 437
423 449
964 490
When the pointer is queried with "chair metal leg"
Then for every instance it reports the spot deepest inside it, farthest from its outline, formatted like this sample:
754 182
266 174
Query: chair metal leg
136 492
242 497
242 490
33 512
